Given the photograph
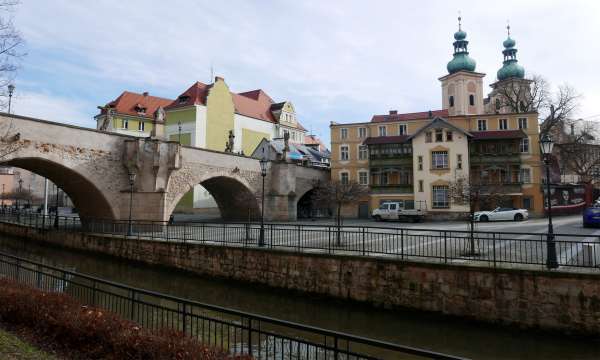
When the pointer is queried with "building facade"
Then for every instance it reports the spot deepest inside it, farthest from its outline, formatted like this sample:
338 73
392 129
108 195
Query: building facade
208 116
421 158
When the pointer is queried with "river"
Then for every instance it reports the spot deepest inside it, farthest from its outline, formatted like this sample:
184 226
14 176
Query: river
418 329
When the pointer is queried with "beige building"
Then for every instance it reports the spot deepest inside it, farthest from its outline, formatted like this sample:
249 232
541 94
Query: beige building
420 157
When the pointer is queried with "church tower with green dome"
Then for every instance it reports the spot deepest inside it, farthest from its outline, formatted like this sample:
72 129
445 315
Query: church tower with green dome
462 87
511 92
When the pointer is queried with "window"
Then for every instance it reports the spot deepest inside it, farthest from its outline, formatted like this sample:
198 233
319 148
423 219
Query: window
481 125
344 152
362 152
420 163
362 133
448 135
527 203
451 101
522 123
383 178
363 178
402 129
382 131
344 133
525 175
141 125
524 145
344 178
439 135
183 99
439 159
471 99
459 161
125 124
498 104
428 136
440 197
420 185
503 124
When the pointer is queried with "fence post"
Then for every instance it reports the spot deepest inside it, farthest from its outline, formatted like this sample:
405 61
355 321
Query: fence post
363 241
132 297
402 244
494 248
298 237
335 348
184 317
445 248
329 239
250 337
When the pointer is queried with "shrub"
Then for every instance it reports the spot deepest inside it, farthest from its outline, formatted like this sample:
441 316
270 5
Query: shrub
71 326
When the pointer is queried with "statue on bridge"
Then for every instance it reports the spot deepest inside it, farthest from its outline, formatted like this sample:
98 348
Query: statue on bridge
158 124
230 142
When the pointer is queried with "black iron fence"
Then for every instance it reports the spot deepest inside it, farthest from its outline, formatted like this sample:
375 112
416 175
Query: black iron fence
448 246
233 331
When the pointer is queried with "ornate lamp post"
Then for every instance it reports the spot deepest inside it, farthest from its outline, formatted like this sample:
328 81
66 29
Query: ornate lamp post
131 182
263 172
547 144
19 195
11 90
56 210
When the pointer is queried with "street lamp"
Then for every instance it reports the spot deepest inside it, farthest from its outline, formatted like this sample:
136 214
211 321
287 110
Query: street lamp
131 182
56 209
263 172
547 144
19 195
11 89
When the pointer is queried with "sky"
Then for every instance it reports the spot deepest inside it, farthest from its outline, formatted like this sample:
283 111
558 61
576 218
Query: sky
341 61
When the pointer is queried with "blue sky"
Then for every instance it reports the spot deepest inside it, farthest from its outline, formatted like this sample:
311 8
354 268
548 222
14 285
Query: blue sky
337 61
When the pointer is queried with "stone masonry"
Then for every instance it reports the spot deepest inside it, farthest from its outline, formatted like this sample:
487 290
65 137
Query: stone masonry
554 301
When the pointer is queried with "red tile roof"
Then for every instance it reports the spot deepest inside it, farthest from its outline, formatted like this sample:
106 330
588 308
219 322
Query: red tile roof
498 134
314 140
127 102
423 115
255 104
398 139
195 94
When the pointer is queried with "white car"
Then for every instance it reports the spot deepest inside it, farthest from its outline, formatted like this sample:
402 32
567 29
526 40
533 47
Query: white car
500 214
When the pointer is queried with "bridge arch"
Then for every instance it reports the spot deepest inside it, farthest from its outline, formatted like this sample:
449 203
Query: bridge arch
86 196
236 198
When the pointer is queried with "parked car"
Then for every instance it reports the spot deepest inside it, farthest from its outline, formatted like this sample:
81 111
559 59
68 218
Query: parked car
401 209
591 215
501 214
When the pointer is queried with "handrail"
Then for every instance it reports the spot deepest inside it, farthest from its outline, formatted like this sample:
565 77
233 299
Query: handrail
254 317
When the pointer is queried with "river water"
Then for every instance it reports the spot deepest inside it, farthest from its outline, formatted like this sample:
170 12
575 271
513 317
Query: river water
477 341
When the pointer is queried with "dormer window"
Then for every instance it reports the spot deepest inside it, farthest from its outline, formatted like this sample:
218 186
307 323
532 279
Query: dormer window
140 109
183 99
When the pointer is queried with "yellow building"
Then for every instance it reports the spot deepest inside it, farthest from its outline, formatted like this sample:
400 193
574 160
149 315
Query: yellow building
421 157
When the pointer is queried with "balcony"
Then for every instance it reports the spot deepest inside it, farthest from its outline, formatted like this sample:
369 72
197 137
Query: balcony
400 160
505 188
392 189
490 159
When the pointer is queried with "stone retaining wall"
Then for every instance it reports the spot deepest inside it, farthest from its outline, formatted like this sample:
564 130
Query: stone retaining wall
556 301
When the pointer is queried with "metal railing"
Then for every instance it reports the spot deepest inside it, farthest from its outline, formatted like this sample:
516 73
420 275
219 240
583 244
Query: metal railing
236 332
485 248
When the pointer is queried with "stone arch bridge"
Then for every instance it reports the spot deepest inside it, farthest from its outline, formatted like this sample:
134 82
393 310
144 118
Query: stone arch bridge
92 167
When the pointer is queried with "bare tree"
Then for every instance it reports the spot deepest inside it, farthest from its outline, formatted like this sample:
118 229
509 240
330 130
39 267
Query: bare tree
11 47
579 152
339 194
555 108
472 192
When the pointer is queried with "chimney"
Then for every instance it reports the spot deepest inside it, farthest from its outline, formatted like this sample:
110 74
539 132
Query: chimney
145 93
430 114
393 112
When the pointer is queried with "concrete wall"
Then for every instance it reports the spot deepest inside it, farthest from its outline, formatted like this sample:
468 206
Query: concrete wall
565 302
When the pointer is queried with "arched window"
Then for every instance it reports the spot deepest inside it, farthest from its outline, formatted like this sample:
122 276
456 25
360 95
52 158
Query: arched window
471 99
451 101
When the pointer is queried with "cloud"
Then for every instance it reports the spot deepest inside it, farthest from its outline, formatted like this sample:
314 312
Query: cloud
48 107
336 60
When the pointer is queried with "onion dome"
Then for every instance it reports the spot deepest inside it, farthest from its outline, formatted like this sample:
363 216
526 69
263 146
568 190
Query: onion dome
461 59
510 67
